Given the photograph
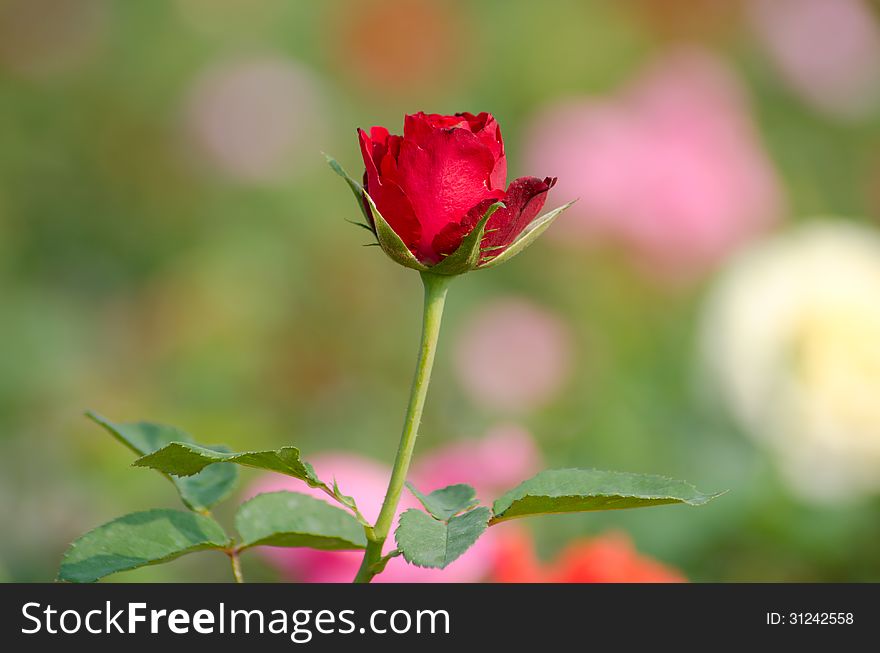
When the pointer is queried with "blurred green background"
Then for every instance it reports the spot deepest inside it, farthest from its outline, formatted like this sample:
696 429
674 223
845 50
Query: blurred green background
155 263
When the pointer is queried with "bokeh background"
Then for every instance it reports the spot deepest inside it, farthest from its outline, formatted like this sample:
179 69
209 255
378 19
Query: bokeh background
172 247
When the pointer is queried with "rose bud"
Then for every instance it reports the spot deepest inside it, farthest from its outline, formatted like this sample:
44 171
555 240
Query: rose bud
435 197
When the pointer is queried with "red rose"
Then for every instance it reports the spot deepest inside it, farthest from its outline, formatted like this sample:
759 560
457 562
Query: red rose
443 180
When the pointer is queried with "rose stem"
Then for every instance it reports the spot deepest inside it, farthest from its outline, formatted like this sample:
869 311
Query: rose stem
236 566
435 297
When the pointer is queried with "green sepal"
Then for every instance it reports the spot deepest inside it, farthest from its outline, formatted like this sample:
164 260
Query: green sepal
388 239
467 256
356 188
391 243
535 228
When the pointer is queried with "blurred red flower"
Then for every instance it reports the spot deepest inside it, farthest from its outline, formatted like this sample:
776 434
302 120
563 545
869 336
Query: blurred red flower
433 184
401 46
608 558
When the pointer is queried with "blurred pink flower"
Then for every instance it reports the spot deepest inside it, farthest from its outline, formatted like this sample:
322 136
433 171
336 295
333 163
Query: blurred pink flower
827 51
255 119
670 168
370 479
513 355
509 456
501 460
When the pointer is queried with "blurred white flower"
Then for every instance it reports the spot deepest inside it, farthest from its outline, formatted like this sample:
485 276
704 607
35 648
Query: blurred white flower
827 51
791 337
257 119
513 355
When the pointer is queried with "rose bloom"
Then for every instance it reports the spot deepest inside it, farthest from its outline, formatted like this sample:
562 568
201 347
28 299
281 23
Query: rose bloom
433 184
791 343
669 169
477 462
607 558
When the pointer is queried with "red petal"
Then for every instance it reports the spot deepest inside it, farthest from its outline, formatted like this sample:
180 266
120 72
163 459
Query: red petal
476 122
371 173
388 163
391 201
379 135
418 128
449 238
524 200
488 131
441 121
499 173
443 172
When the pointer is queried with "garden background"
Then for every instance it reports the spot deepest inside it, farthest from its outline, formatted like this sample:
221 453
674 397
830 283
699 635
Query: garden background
173 248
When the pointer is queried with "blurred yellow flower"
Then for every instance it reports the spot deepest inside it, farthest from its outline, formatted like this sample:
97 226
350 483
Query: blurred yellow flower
791 338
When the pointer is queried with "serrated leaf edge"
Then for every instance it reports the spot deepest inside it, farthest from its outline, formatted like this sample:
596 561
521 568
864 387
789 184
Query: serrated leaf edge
111 427
244 546
231 457
207 547
409 560
700 500
421 496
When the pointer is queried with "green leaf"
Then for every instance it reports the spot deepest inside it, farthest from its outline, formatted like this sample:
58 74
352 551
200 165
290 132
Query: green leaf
356 189
581 490
349 502
208 488
467 256
199 492
447 502
426 542
536 227
137 540
297 520
391 243
344 499
185 459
